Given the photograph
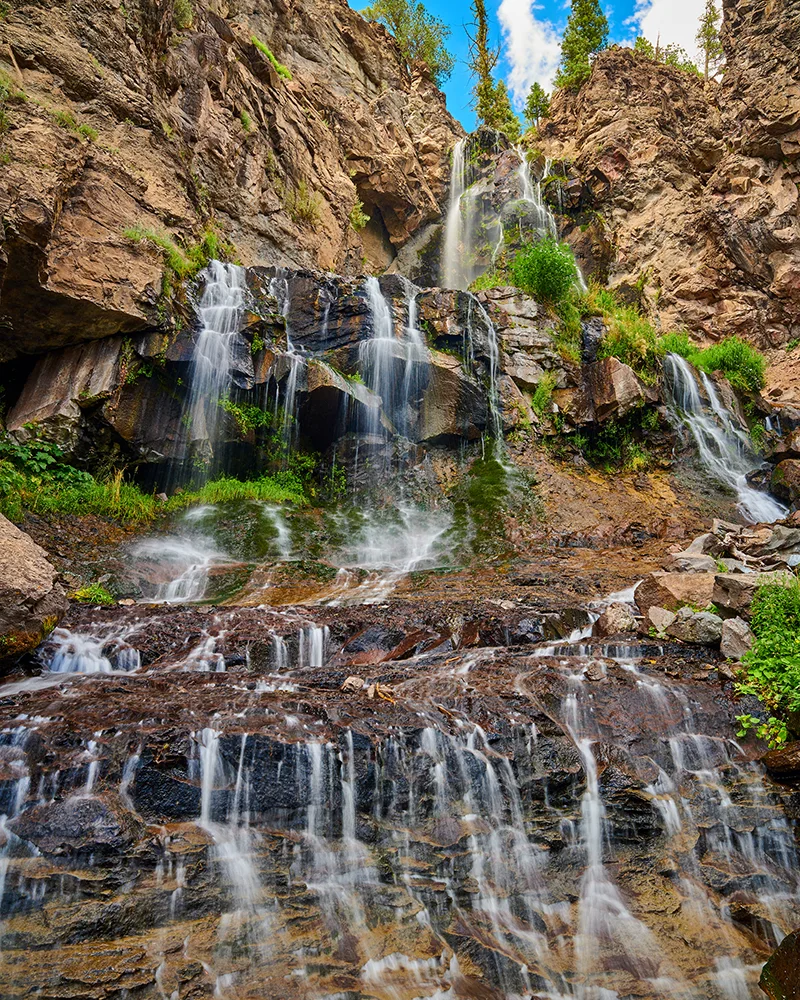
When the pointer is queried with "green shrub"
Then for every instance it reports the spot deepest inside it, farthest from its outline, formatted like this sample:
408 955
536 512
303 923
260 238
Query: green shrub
280 69
184 263
771 669
493 278
542 398
545 270
246 120
248 416
631 338
676 343
93 593
358 217
182 14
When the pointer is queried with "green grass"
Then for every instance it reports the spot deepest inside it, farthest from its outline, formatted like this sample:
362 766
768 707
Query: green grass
182 14
246 120
183 263
772 667
739 362
303 206
93 593
280 69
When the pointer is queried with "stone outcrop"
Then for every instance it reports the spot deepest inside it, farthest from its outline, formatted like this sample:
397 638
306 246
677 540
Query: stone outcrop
132 120
691 187
31 601
785 481
700 627
674 590
734 592
616 619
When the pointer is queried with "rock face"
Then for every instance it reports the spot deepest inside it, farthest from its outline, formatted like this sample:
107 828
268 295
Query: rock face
690 182
31 602
617 618
780 979
785 481
180 125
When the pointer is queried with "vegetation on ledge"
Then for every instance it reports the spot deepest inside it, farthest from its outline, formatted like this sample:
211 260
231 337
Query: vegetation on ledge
772 667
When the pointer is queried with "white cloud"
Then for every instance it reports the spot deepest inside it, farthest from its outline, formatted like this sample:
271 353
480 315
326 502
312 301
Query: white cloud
674 20
532 48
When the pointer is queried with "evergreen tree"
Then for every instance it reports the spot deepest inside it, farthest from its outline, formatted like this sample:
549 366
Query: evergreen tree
492 103
537 104
671 55
420 36
708 39
585 35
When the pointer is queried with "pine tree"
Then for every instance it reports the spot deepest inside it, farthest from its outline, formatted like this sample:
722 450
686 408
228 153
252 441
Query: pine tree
420 36
537 104
586 34
492 103
708 39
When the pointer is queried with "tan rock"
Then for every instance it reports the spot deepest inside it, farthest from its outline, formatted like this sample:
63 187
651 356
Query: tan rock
674 590
737 638
615 389
735 591
660 618
31 602
615 619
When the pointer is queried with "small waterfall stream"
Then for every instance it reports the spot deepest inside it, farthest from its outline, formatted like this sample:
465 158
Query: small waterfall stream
724 446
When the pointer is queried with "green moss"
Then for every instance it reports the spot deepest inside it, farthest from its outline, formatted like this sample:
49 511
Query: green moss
280 69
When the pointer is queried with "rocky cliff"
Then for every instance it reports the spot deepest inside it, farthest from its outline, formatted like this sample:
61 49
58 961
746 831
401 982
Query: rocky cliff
688 188
174 119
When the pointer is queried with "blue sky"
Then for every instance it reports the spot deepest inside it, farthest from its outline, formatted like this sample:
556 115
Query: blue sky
529 34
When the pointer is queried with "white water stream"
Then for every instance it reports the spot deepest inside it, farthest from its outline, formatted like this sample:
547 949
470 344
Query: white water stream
724 446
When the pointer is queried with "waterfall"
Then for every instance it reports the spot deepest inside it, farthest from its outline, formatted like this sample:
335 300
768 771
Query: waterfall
724 447
219 314
294 358
532 192
454 229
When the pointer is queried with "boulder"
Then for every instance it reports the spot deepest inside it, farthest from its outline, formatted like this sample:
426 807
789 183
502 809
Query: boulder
674 590
784 763
785 481
31 602
735 591
780 977
616 389
700 627
615 619
737 638
660 618
690 562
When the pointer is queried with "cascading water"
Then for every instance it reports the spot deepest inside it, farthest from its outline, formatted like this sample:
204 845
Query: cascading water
724 447
219 314
455 249
294 360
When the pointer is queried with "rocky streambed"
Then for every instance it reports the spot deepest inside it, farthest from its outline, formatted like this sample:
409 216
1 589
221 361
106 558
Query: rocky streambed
397 801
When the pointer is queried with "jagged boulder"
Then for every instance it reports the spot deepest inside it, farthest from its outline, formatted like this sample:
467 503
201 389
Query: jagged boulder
737 638
31 601
700 627
674 590
784 763
615 389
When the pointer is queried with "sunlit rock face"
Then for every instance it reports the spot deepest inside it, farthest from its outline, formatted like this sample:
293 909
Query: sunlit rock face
691 186
192 123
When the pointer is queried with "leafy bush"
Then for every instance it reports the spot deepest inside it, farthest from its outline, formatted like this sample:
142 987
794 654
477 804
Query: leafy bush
545 270
772 667
631 338
248 416
93 593
280 69
246 120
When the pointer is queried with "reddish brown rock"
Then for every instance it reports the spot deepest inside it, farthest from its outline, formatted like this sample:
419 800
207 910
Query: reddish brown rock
674 590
